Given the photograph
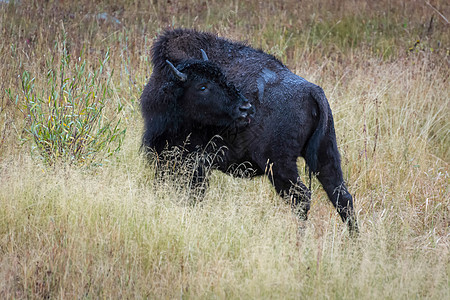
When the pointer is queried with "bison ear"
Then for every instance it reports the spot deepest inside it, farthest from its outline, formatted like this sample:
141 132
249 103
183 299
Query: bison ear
204 56
169 88
181 76
172 90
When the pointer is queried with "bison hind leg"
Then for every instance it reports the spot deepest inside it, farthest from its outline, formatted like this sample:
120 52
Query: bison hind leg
288 185
300 198
330 176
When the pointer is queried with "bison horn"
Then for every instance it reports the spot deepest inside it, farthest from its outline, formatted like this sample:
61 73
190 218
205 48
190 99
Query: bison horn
204 56
181 76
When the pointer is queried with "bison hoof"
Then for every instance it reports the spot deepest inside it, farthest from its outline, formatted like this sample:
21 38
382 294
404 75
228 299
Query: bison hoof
302 214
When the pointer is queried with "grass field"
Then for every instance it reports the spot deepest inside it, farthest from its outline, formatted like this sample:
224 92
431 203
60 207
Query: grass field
87 219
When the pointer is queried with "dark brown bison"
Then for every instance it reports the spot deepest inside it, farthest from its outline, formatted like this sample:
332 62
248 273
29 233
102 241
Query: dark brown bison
285 116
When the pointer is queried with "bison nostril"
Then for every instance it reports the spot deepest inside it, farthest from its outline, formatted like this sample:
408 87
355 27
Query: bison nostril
245 107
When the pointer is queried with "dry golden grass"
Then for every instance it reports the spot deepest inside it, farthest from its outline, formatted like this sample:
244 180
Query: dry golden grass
113 231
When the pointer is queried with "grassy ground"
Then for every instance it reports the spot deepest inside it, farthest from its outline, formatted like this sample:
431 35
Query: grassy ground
109 230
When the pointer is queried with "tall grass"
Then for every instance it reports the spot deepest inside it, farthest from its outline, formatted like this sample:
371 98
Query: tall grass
113 230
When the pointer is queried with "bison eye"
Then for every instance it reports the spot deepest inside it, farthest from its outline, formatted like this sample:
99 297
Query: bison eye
202 88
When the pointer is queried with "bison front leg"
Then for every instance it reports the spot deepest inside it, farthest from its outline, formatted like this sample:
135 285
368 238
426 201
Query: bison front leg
199 180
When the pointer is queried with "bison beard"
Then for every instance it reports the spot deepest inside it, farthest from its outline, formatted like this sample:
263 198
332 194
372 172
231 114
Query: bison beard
260 114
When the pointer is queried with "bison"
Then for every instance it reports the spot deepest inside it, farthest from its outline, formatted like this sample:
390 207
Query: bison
259 113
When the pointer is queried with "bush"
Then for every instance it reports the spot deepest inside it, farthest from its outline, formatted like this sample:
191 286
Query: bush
67 120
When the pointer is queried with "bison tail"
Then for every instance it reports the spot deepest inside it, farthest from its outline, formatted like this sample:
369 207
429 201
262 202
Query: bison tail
312 147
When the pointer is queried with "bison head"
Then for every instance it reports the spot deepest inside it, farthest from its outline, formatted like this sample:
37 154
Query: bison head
205 96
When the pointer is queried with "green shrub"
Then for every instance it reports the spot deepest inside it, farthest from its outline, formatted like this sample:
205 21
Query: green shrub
72 119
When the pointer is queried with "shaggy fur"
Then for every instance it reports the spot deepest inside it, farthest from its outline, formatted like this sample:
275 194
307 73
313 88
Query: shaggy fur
292 118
